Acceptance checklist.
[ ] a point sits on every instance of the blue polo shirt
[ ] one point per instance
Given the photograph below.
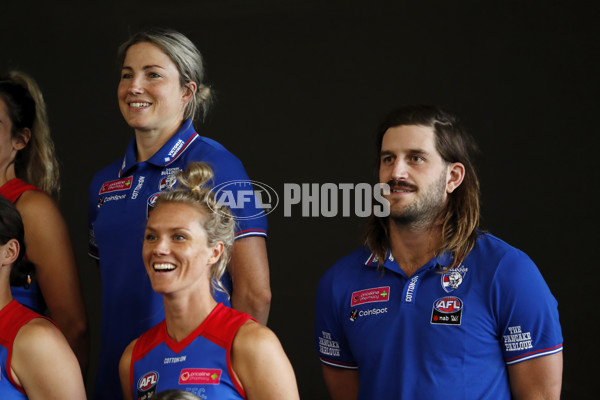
(436, 335)
(121, 197)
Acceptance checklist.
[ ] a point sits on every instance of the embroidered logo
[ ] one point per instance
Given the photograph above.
(116, 185)
(516, 339)
(151, 203)
(148, 381)
(168, 182)
(452, 279)
(447, 311)
(200, 376)
(174, 150)
(372, 295)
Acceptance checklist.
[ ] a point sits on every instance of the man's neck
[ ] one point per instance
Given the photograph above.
(413, 247)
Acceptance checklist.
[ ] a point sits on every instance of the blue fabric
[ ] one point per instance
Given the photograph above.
(120, 199)
(12, 318)
(434, 335)
(199, 364)
(7, 390)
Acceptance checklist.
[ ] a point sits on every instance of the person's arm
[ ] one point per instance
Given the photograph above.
(537, 379)
(249, 270)
(44, 364)
(125, 370)
(49, 249)
(342, 383)
(261, 365)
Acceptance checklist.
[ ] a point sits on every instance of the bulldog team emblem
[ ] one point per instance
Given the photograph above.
(452, 279)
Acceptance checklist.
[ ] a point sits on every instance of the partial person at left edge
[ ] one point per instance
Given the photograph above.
(29, 177)
(160, 93)
(36, 362)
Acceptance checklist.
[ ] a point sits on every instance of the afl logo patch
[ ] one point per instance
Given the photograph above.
(447, 311)
(148, 381)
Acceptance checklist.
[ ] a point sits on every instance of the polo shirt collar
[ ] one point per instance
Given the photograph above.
(391, 264)
(168, 153)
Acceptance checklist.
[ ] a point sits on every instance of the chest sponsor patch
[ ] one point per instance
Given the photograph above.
(116, 185)
(146, 385)
(372, 295)
(200, 376)
(447, 311)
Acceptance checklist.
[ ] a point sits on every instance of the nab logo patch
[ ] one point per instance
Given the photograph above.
(148, 381)
(447, 311)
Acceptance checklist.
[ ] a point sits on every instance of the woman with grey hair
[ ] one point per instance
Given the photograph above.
(201, 345)
(161, 91)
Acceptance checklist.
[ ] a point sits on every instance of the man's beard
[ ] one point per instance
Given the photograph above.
(426, 208)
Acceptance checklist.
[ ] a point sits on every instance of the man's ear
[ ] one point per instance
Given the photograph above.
(9, 252)
(456, 174)
(21, 139)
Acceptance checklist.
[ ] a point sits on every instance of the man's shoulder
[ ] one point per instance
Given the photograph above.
(360, 256)
(494, 246)
(495, 252)
(348, 264)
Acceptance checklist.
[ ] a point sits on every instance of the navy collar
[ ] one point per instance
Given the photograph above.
(391, 264)
(168, 153)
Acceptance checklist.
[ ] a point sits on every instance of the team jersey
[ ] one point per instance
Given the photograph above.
(200, 363)
(32, 296)
(12, 317)
(436, 335)
(120, 199)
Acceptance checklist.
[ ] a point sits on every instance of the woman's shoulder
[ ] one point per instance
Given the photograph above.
(39, 334)
(254, 338)
(36, 202)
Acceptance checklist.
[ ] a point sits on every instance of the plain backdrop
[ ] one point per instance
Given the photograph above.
(301, 87)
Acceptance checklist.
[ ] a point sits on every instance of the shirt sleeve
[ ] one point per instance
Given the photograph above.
(526, 310)
(330, 340)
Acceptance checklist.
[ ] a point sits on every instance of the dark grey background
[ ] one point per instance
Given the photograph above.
(301, 86)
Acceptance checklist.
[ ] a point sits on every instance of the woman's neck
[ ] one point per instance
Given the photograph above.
(7, 173)
(5, 294)
(183, 314)
(148, 142)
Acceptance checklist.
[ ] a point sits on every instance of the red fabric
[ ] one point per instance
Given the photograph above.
(14, 188)
(12, 317)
